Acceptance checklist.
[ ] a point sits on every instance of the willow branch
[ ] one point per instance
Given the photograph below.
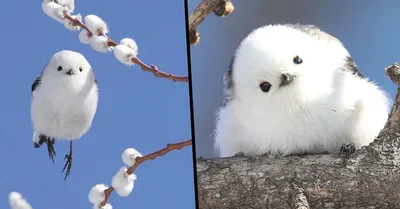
(148, 68)
(152, 156)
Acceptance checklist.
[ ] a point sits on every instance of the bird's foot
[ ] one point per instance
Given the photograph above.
(43, 139)
(348, 149)
(68, 165)
(36, 145)
(50, 148)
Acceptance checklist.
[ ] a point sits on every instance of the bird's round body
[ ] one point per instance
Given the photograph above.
(65, 97)
(294, 89)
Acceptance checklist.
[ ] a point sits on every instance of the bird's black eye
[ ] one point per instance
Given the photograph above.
(80, 69)
(297, 60)
(265, 86)
(59, 68)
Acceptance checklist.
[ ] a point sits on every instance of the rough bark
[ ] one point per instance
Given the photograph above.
(370, 178)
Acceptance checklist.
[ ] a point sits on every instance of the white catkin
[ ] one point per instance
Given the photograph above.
(99, 43)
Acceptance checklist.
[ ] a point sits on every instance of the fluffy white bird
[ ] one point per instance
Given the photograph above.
(294, 89)
(17, 201)
(64, 101)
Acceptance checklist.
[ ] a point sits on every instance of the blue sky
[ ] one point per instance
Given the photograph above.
(135, 108)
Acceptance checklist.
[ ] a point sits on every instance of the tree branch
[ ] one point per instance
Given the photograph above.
(369, 178)
(152, 68)
(221, 8)
(152, 156)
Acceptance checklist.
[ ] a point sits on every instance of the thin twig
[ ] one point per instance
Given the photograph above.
(220, 7)
(152, 156)
(148, 68)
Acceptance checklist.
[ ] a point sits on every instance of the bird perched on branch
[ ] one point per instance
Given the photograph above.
(64, 102)
(294, 89)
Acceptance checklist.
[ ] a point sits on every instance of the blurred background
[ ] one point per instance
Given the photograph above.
(136, 109)
(369, 30)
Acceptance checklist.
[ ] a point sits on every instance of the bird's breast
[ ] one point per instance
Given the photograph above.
(63, 112)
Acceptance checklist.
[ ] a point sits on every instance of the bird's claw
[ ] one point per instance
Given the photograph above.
(348, 149)
(50, 149)
(68, 165)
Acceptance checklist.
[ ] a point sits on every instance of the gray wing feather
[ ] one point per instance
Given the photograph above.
(228, 83)
(313, 30)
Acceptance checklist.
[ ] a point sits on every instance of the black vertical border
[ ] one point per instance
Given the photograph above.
(191, 102)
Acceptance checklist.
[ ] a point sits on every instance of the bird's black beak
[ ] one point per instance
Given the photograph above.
(70, 72)
(286, 79)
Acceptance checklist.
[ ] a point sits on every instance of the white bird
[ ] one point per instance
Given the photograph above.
(294, 89)
(64, 101)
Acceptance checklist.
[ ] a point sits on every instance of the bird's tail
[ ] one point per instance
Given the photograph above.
(36, 139)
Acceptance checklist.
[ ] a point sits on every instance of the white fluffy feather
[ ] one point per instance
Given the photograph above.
(129, 156)
(96, 25)
(35, 137)
(96, 194)
(16, 201)
(99, 43)
(122, 182)
(321, 109)
(63, 106)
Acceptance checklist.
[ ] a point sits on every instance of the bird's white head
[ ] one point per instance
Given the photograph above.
(68, 66)
(285, 65)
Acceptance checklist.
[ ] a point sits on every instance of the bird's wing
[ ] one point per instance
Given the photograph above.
(228, 83)
(37, 81)
(352, 67)
(313, 30)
